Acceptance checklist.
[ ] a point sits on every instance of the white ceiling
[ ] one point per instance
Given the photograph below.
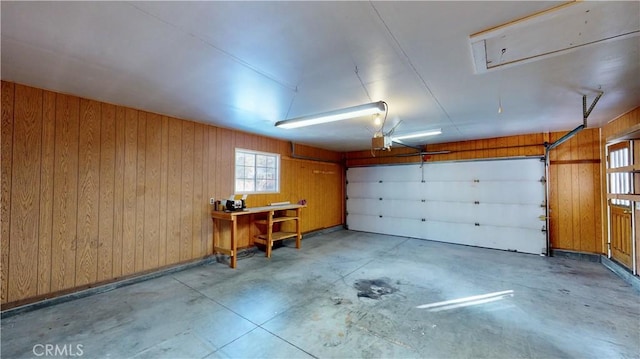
(247, 65)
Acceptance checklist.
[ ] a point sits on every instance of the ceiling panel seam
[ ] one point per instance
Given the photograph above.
(222, 51)
(415, 70)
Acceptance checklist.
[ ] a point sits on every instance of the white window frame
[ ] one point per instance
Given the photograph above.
(277, 169)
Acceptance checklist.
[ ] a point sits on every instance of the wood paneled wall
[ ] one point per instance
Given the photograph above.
(576, 220)
(523, 145)
(93, 192)
(621, 124)
(575, 217)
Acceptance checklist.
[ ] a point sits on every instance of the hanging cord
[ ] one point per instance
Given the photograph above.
(295, 92)
(381, 130)
(386, 112)
(362, 84)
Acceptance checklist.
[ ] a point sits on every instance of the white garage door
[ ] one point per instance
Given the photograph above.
(493, 204)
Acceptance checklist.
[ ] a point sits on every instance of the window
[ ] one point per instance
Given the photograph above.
(257, 172)
(620, 182)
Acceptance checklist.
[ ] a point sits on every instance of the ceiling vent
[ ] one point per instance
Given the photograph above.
(553, 32)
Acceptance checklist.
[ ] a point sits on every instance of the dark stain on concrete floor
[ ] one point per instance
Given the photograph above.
(374, 288)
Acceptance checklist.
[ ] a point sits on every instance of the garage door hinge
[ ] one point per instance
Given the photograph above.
(380, 198)
(380, 181)
(476, 202)
(380, 216)
(476, 180)
(423, 201)
(544, 229)
(543, 180)
(477, 224)
(424, 220)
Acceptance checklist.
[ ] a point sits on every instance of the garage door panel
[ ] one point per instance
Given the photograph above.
(363, 174)
(363, 189)
(366, 223)
(513, 239)
(401, 173)
(402, 208)
(401, 190)
(449, 191)
(364, 206)
(510, 215)
(510, 192)
(458, 212)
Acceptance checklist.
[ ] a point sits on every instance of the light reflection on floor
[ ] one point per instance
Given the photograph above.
(466, 301)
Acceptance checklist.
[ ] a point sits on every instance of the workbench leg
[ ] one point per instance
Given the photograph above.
(233, 261)
(214, 235)
(298, 233)
(269, 234)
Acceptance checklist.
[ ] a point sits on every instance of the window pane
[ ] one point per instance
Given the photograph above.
(239, 185)
(239, 158)
(270, 185)
(249, 173)
(248, 185)
(261, 173)
(271, 174)
(261, 161)
(249, 160)
(239, 172)
(271, 161)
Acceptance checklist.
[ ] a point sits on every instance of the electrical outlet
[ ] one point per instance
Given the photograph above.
(212, 200)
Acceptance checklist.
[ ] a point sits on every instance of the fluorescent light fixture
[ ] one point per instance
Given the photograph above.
(336, 115)
(419, 134)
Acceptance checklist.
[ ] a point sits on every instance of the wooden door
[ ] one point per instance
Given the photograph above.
(620, 182)
(620, 226)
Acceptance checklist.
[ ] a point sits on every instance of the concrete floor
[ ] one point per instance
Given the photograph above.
(304, 304)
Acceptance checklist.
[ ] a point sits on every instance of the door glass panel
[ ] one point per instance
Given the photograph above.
(620, 182)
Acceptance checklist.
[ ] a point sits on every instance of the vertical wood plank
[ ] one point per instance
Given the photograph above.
(553, 206)
(198, 196)
(204, 221)
(6, 154)
(587, 195)
(225, 162)
(213, 147)
(129, 191)
(164, 177)
(107, 192)
(598, 209)
(45, 226)
(565, 207)
(153, 169)
(25, 192)
(186, 230)
(118, 191)
(174, 191)
(584, 148)
(140, 191)
(88, 192)
(513, 142)
(65, 193)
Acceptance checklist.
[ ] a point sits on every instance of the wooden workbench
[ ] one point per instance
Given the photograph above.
(274, 214)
